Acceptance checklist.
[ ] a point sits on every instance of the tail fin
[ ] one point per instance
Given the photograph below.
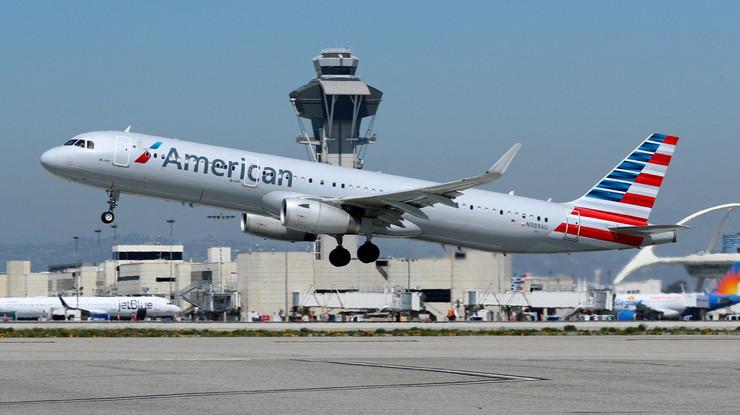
(628, 192)
(729, 283)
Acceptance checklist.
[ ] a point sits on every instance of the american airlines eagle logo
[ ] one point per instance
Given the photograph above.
(146, 155)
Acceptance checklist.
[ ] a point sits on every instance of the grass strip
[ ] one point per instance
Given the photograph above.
(568, 330)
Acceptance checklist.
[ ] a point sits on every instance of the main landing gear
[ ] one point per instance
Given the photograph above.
(108, 216)
(366, 253)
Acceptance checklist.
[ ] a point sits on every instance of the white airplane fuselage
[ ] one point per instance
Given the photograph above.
(34, 307)
(255, 183)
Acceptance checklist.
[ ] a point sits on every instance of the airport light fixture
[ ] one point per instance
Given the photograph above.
(171, 222)
(115, 233)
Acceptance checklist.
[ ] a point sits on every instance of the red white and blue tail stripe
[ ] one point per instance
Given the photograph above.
(627, 194)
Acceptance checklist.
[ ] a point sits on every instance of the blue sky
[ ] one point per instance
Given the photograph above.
(578, 83)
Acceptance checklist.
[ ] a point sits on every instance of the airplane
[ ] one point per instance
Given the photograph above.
(295, 200)
(670, 306)
(126, 307)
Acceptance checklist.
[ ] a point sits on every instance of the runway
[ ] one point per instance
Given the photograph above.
(412, 375)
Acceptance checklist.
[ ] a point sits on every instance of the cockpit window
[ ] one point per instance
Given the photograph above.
(80, 143)
(90, 145)
(70, 142)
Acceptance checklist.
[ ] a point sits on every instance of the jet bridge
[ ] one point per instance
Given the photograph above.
(573, 301)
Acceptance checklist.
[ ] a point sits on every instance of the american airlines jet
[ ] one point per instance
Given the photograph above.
(295, 200)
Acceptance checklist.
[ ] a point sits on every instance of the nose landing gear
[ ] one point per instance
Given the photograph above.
(108, 216)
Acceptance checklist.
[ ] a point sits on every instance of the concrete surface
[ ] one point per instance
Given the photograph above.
(413, 375)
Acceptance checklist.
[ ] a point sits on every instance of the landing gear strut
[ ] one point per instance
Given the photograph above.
(339, 256)
(108, 216)
(368, 252)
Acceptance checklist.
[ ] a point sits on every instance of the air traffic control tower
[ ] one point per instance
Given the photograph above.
(336, 103)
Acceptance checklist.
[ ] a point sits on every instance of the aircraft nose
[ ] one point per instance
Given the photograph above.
(52, 159)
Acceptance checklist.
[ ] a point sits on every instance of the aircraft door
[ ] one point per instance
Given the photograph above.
(573, 226)
(252, 171)
(122, 152)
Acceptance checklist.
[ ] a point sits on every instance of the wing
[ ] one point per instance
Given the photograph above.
(389, 207)
(646, 306)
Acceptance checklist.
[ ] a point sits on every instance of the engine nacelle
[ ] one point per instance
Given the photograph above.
(315, 217)
(272, 229)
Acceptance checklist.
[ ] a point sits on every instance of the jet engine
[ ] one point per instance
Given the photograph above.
(316, 217)
(272, 229)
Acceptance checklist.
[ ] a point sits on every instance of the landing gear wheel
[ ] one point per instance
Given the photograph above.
(113, 196)
(107, 217)
(368, 252)
(339, 256)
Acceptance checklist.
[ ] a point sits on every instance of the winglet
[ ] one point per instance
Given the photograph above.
(500, 167)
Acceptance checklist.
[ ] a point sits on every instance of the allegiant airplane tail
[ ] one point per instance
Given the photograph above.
(725, 294)
(627, 194)
(729, 283)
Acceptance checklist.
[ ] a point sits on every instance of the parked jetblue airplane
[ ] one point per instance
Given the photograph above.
(294, 200)
(128, 307)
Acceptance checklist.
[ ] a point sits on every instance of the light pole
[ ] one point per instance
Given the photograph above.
(115, 257)
(171, 222)
(285, 310)
(115, 233)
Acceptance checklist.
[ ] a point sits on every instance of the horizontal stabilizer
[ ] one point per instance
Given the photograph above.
(646, 230)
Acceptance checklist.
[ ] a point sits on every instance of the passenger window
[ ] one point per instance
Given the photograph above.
(538, 218)
(342, 185)
(91, 145)
(545, 219)
(310, 180)
(70, 142)
(322, 182)
(334, 184)
(471, 207)
(501, 212)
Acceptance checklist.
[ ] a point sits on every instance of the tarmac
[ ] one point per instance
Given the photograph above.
(361, 375)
